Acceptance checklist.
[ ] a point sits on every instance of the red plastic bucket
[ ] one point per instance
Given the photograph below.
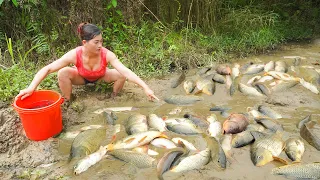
(40, 114)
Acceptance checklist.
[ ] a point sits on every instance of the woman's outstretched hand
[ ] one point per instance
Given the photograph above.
(24, 93)
(150, 94)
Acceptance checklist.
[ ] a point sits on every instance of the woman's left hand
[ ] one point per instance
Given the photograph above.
(150, 94)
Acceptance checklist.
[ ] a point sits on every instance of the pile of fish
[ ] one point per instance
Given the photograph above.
(259, 127)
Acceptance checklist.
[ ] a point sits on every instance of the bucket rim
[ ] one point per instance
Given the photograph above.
(20, 109)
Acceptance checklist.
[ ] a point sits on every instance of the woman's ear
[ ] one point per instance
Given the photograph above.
(84, 42)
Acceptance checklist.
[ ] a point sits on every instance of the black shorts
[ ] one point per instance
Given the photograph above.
(86, 81)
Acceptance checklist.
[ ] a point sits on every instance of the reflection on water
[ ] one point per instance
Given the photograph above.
(293, 104)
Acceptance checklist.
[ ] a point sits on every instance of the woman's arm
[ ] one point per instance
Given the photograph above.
(64, 61)
(131, 76)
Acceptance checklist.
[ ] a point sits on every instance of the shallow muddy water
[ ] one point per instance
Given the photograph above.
(293, 104)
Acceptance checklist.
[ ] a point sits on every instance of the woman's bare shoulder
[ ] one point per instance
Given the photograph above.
(70, 56)
(110, 56)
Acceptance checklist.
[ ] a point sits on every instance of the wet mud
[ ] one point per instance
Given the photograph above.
(22, 158)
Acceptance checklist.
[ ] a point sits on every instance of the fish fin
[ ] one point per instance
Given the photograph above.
(198, 92)
(280, 160)
(129, 140)
(142, 139)
(296, 162)
(164, 118)
(163, 135)
(109, 147)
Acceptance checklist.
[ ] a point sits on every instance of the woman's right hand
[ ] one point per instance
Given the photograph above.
(24, 93)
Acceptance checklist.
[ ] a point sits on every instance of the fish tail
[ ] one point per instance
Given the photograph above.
(163, 135)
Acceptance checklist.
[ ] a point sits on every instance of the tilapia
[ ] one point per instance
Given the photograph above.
(294, 149)
(298, 170)
(163, 143)
(186, 143)
(183, 128)
(269, 66)
(311, 133)
(281, 66)
(262, 88)
(156, 122)
(189, 86)
(178, 80)
(309, 86)
(303, 121)
(269, 123)
(195, 161)
(136, 123)
(249, 91)
(235, 123)
(254, 69)
(196, 120)
(255, 127)
(218, 155)
(140, 160)
(206, 86)
(264, 79)
(167, 159)
(182, 99)
(269, 112)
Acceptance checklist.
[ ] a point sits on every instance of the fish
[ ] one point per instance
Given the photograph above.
(249, 91)
(189, 86)
(183, 128)
(115, 109)
(235, 71)
(283, 86)
(73, 134)
(196, 120)
(206, 86)
(265, 78)
(309, 86)
(294, 149)
(140, 160)
(219, 78)
(255, 127)
(223, 70)
(217, 154)
(282, 76)
(110, 118)
(163, 143)
(215, 127)
(225, 142)
(195, 161)
(203, 70)
(304, 120)
(310, 132)
(244, 67)
(265, 150)
(296, 61)
(252, 80)
(220, 108)
(269, 123)
(242, 139)
(135, 140)
(298, 170)
(281, 66)
(269, 66)
(89, 160)
(310, 75)
(269, 112)
(254, 113)
(156, 122)
(293, 57)
(228, 81)
(145, 149)
(87, 142)
(182, 99)
(178, 80)
(254, 69)
(167, 159)
(235, 85)
(186, 143)
(235, 123)
(136, 123)
(262, 88)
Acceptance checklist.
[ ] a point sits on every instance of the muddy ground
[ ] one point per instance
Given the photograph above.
(26, 159)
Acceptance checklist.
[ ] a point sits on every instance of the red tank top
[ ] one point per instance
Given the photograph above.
(88, 74)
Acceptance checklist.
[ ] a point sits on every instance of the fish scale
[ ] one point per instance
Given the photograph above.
(274, 144)
(311, 170)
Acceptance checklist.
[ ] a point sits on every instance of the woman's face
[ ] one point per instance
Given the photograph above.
(94, 45)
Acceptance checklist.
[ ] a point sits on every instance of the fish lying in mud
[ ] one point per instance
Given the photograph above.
(205, 86)
(309, 86)
(219, 78)
(181, 126)
(203, 70)
(87, 142)
(145, 149)
(298, 170)
(311, 133)
(294, 149)
(156, 122)
(269, 66)
(242, 139)
(178, 80)
(215, 127)
(89, 161)
(186, 143)
(255, 127)
(110, 117)
(189, 86)
(223, 70)
(262, 88)
(191, 162)
(115, 109)
(281, 76)
(235, 123)
(217, 153)
(254, 69)
(249, 91)
(235, 71)
(136, 123)
(73, 134)
(283, 86)
(266, 149)
(253, 79)
(140, 160)
(167, 159)
(269, 112)
(196, 120)
(182, 100)
(269, 123)
(303, 121)
(234, 85)
(281, 66)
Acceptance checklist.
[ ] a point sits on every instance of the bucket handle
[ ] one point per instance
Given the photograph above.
(61, 100)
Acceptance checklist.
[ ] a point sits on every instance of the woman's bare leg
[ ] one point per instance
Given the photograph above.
(112, 75)
(67, 77)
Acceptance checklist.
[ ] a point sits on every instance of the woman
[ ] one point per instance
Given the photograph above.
(90, 60)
